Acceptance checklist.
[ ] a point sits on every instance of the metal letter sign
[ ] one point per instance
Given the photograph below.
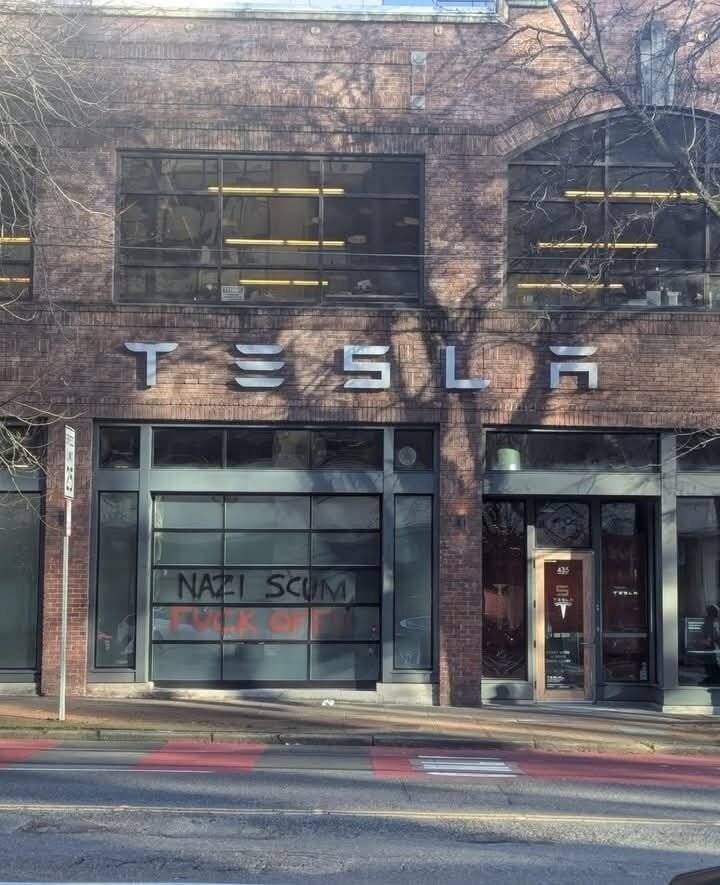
(350, 364)
(69, 462)
(151, 351)
(452, 382)
(261, 365)
(565, 368)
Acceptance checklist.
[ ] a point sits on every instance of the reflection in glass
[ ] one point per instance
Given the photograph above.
(120, 447)
(187, 447)
(504, 629)
(188, 512)
(413, 581)
(348, 449)
(625, 651)
(414, 450)
(571, 451)
(267, 512)
(562, 524)
(116, 580)
(698, 522)
(265, 447)
(348, 512)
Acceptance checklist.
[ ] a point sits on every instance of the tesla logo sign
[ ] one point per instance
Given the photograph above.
(261, 366)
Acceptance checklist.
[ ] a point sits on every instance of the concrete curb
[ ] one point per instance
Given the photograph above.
(360, 739)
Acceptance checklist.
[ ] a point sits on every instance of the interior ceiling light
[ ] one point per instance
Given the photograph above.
(636, 195)
(14, 279)
(15, 240)
(251, 282)
(571, 285)
(241, 241)
(572, 245)
(293, 191)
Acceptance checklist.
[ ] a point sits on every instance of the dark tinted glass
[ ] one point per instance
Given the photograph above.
(504, 631)
(413, 581)
(562, 524)
(363, 176)
(266, 548)
(346, 512)
(265, 662)
(188, 548)
(188, 512)
(341, 449)
(167, 175)
(625, 647)
(185, 447)
(354, 662)
(698, 521)
(345, 548)
(177, 285)
(189, 225)
(20, 523)
(278, 172)
(571, 451)
(413, 450)
(698, 451)
(120, 447)
(267, 512)
(186, 663)
(116, 580)
(289, 449)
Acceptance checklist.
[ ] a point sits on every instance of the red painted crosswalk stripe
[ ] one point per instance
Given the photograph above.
(196, 755)
(15, 751)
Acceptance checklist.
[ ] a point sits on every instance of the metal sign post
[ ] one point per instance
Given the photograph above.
(69, 483)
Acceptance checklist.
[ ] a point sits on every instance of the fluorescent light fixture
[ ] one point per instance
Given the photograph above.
(242, 241)
(14, 279)
(250, 282)
(15, 240)
(572, 245)
(636, 195)
(289, 191)
(571, 285)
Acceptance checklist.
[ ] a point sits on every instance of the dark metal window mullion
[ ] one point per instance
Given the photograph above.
(219, 260)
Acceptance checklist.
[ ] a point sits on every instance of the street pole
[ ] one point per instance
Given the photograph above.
(69, 495)
(64, 611)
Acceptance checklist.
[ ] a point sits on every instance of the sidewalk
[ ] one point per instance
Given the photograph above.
(591, 729)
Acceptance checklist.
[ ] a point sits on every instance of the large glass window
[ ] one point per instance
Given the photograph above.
(599, 216)
(19, 569)
(266, 588)
(542, 450)
(504, 629)
(625, 648)
(413, 581)
(698, 521)
(116, 580)
(269, 230)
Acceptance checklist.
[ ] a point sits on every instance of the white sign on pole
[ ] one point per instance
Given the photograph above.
(69, 462)
(69, 495)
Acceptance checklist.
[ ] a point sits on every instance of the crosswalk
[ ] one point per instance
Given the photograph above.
(463, 766)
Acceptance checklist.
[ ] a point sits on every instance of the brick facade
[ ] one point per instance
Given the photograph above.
(253, 84)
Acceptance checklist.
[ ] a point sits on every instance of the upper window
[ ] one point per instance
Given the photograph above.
(269, 230)
(15, 240)
(607, 215)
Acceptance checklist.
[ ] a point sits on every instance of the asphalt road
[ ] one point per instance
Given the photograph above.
(233, 813)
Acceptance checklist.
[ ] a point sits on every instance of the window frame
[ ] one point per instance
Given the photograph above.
(379, 301)
(606, 161)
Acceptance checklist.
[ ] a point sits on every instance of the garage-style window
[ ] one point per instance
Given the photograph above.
(259, 229)
(611, 215)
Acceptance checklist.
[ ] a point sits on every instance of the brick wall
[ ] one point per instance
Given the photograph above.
(248, 84)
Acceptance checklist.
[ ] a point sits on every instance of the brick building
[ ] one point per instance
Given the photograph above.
(383, 347)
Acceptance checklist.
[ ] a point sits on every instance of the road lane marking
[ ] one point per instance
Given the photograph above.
(40, 768)
(463, 766)
(390, 813)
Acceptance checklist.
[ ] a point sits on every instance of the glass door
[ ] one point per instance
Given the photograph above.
(564, 626)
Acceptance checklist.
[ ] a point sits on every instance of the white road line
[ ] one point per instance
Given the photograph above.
(43, 768)
(467, 774)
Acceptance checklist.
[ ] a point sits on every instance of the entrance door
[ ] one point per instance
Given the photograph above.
(564, 626)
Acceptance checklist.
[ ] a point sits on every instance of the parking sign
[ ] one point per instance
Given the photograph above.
(69, 462)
